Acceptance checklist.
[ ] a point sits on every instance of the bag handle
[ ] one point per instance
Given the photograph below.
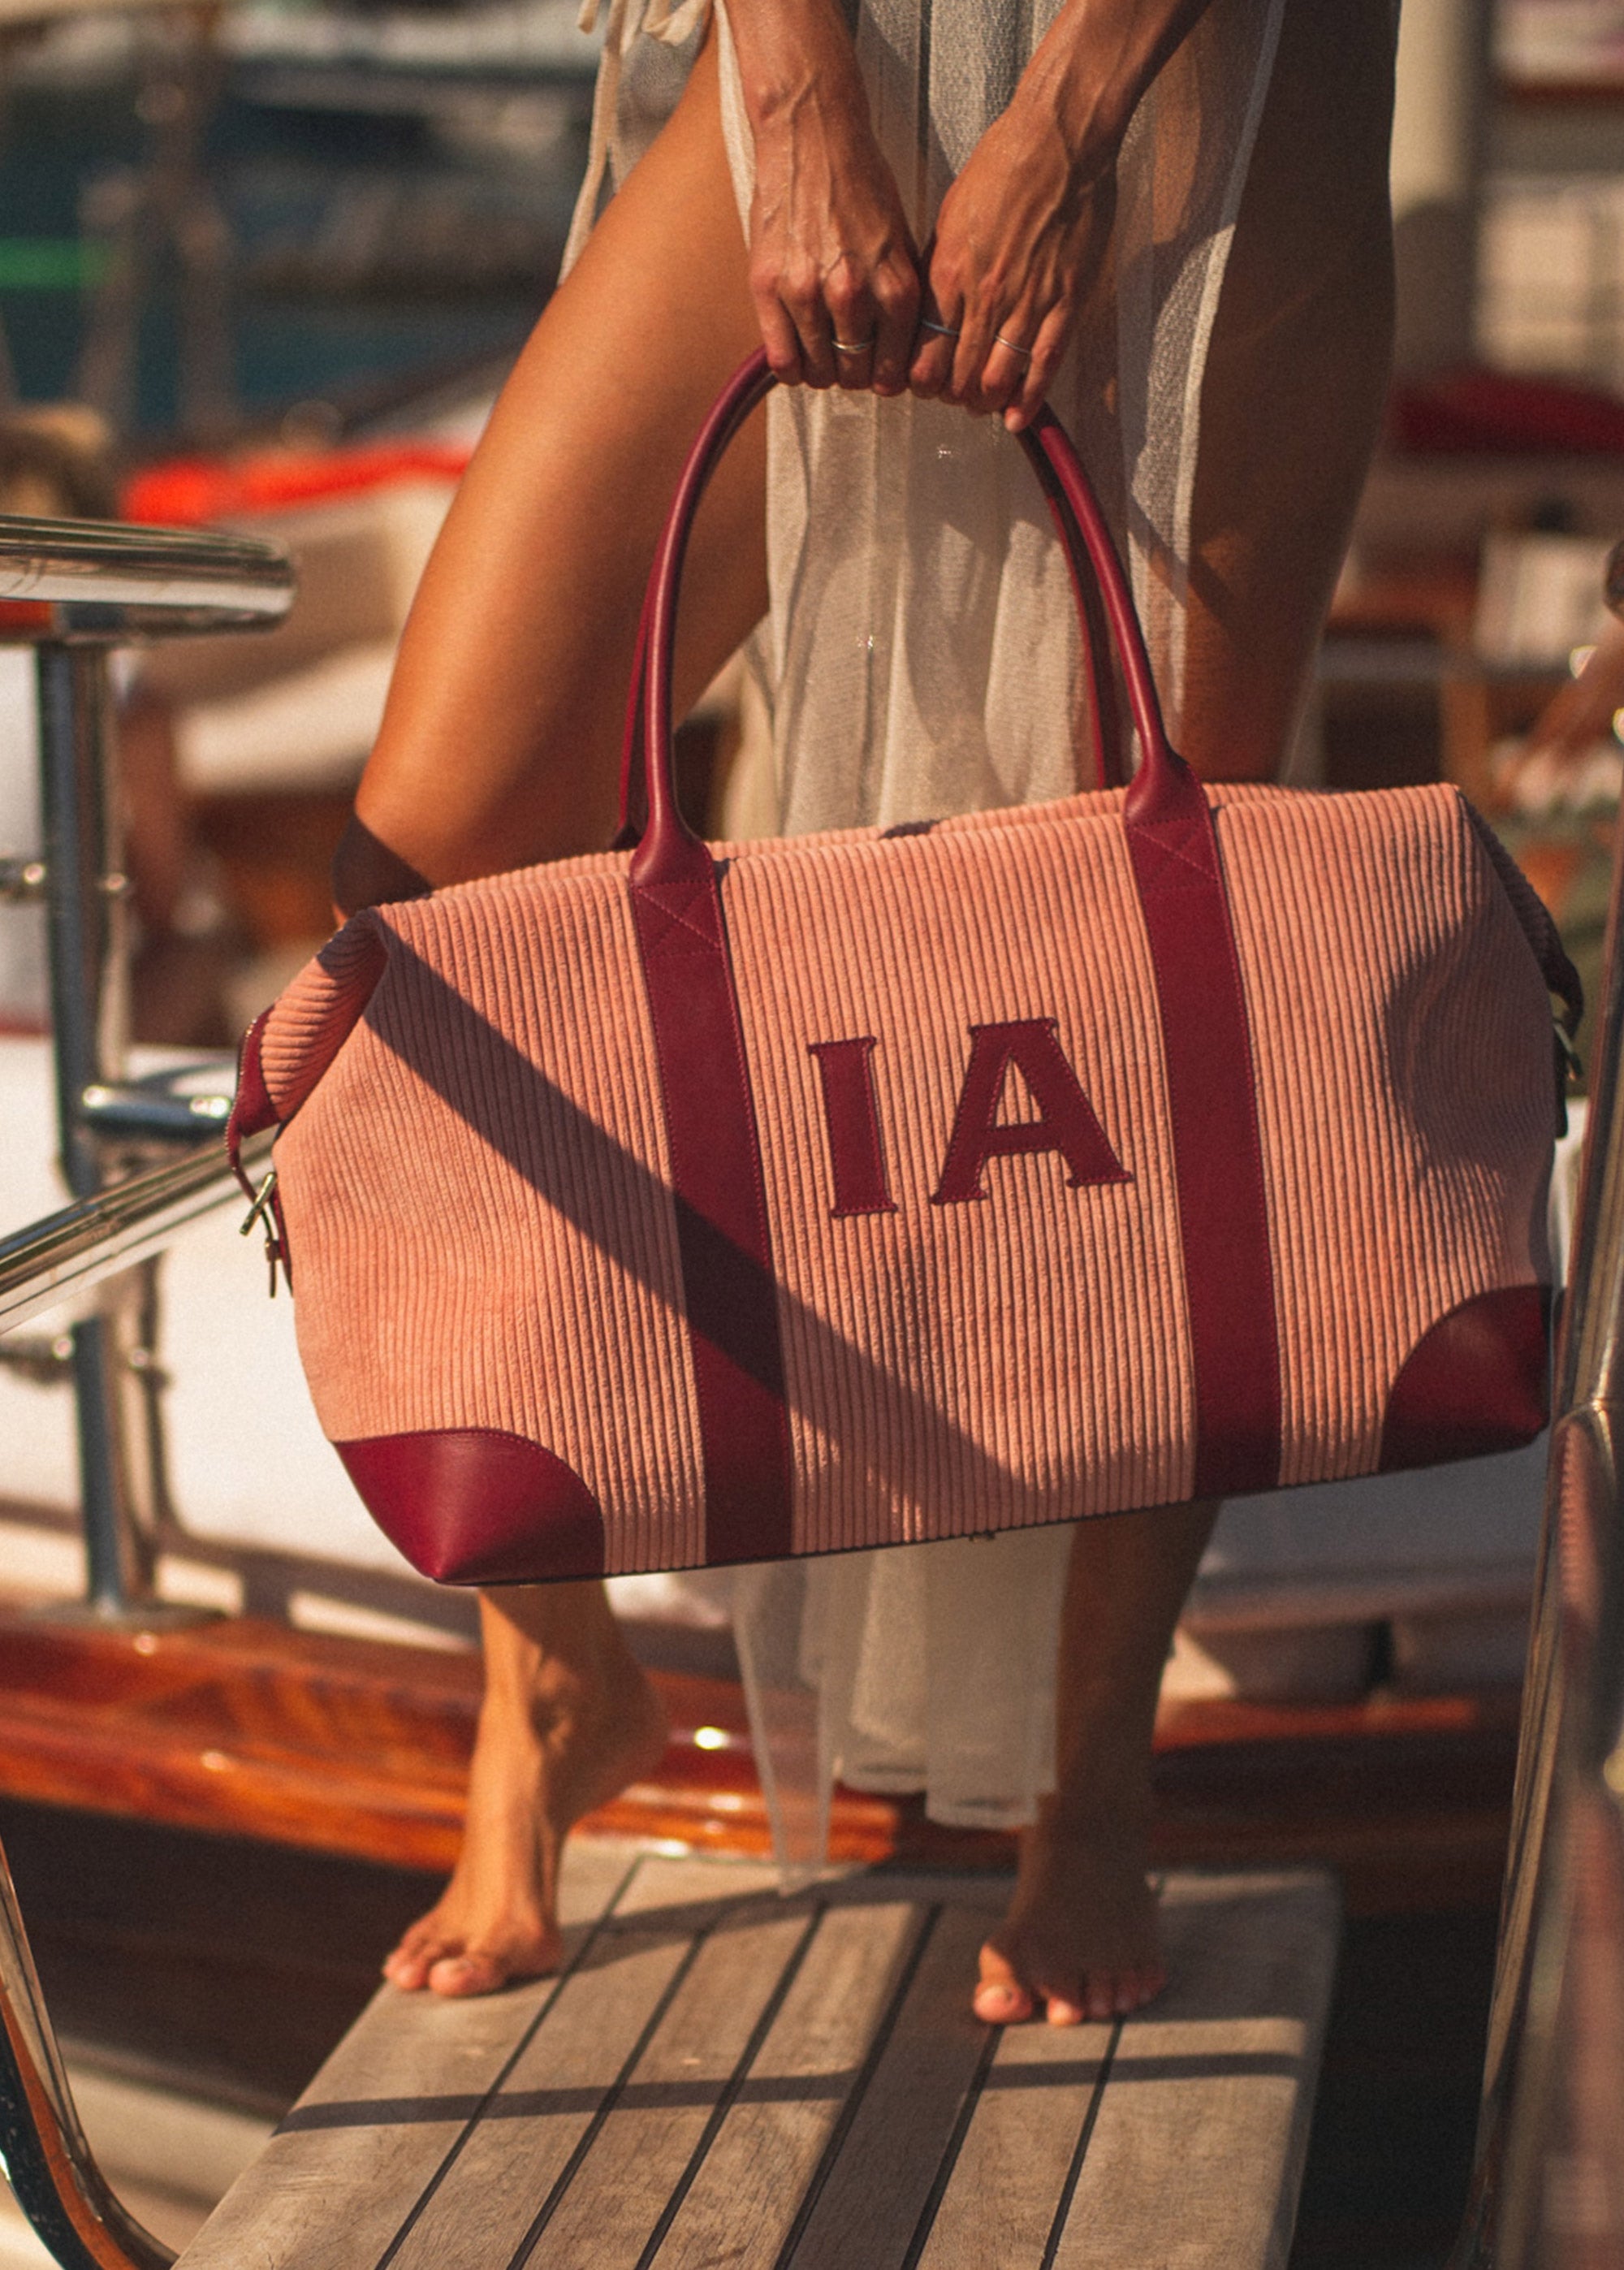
(1163, 783)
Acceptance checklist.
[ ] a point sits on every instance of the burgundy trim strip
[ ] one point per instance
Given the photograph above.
(729, 1291)
(473, 1505)
(1066, 1121)
(1216, 1149)
(851, 1117)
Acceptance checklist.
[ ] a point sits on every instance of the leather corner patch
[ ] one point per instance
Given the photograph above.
(1477, 1381)
(473, 1505)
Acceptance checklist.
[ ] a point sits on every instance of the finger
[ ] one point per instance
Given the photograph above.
(1004, 372)
(800, 294)
(779, 337)
(936, 339)
(854, 331)
(817, 361)
(971, 349)
(896, 292)
(1053, 333)
(935, 342)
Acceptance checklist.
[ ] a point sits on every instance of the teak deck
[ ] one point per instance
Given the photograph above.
(725, 2076)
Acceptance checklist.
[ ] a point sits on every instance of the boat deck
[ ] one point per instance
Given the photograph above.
(724, 2075)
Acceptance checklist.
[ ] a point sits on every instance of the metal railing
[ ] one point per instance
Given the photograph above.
(71, 590)
(1549, 2184)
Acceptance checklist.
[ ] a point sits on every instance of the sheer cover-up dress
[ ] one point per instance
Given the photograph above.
(921, 659)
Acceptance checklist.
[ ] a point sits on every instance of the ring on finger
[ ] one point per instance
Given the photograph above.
(1024, 353)
(942, 330)
(855, 346)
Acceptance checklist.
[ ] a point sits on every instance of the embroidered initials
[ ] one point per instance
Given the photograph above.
(1066, 1122)
(1065, 1119)
(851, 1114)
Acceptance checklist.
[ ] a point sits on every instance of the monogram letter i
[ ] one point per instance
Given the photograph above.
(851, 1115)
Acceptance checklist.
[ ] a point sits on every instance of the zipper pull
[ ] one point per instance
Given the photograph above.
(263, 1210)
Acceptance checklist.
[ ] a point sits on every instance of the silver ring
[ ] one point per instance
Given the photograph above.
(1024, 353)
(857, 347)
(942, 330)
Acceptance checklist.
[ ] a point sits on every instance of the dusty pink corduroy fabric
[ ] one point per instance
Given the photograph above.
(478, 1194)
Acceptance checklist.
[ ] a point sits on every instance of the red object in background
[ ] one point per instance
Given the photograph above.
(185, 492)
(1496, 413)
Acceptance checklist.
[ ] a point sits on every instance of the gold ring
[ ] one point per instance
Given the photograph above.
(855, 346)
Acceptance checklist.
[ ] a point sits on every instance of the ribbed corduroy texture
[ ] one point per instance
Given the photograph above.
(477, 1185)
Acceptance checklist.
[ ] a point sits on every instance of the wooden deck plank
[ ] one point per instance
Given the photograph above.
(747, 2193)
(1018, 2149)
(647, 2142)
(1231, 2051)
(903, 2128)
(522, 2149)
(386, 2108)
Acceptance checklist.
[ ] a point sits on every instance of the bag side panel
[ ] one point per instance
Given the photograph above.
(315, 1012)
(1402, 1037)
(481, 1189)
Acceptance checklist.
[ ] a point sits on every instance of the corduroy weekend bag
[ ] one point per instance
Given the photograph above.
(709, 1202)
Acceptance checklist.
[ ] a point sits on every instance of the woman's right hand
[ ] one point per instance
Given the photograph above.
(834, 270)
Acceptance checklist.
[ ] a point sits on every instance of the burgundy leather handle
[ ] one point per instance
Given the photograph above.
(1163, 781)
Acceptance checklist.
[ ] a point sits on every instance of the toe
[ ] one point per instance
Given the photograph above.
(410, 1964)
(1000, 1999)
(997, 2004)
(1060, 2010)
(454, 1976)
(1100, 1998)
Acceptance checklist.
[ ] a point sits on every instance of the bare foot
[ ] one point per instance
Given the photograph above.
(555, 1739)
(1081, 1935)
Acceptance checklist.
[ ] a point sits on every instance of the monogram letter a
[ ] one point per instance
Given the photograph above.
(1066, 1122)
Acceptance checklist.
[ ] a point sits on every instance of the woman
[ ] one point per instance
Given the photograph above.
(1171, 219)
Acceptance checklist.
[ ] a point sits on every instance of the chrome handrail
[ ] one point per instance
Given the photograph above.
(68, 1252)
(73, 588)
(106, 582)
(50, 2164)
(1547, 2190)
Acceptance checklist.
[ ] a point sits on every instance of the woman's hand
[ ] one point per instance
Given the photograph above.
(834, 271)
(1016, 245)
(1022, 231)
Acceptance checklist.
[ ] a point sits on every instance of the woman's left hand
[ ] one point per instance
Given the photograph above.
(1022, 232)
(1017, 243)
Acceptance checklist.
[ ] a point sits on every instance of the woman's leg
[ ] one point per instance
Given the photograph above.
(501, 746)
(567, 1719)
(1291, 403)
(501, 738)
